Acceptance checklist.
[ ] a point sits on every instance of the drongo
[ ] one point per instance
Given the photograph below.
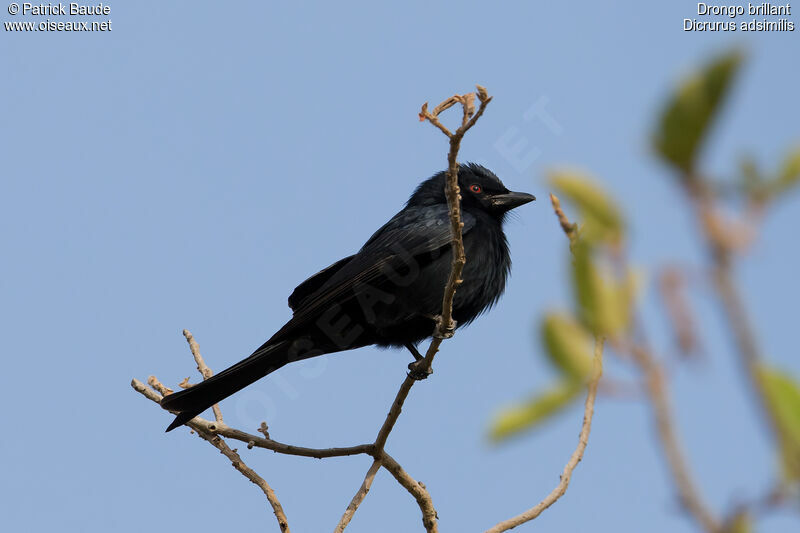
(389, 293)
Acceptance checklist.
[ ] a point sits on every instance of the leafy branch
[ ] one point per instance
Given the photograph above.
(606, 289)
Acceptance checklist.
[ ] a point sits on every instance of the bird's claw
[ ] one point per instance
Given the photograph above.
(445, 331)
(418, 371)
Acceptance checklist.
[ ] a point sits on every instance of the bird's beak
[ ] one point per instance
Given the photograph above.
(510, 200)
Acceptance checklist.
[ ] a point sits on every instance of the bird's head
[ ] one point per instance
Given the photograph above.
(480, 189)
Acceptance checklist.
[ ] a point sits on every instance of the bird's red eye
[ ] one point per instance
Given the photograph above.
(475, 188)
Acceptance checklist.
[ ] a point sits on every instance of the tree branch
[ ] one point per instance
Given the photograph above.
(416, 489)
(571, 231)
(577, 455)
(207, 431)
(742, 331)
(202, 368)
(724, 238)
(249, 473)
(722, 244)
(656, 388)
(359, 496)
(445, 327)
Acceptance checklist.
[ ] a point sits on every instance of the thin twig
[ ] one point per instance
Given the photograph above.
(288, 449)
(577, 455)
(145, 391)
(416, 489)
(570, 229)
(251, 440)
(656, 388)
(359, 496)
(445, 326)
(724, 238)
(202, 368)
(157, 385)
(433, 119)
(207, 430)
(249, 473)
(671, 285)
(220, 444)
(742, 330)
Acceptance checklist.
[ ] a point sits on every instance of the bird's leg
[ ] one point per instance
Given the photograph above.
(414, 351)
(414, 367)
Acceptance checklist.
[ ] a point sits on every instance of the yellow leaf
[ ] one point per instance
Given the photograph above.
(782, 397)
(790, 172)
(568, 345)
(600, 216)
(514, 420)
(604, 304)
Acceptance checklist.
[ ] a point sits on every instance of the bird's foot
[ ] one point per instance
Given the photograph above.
(444, 331)
(418, 371)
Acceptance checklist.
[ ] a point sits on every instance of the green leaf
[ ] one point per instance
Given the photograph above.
(514, 420)
(586, 283)
(782, 397)
(568, 345)
(739, 523)
(689, 113)
(600, 215)
(603, 304)
(789, 174)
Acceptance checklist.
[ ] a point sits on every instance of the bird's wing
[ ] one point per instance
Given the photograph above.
(312, 284)
(411, 234)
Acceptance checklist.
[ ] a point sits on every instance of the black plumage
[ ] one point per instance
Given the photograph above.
(390, 291)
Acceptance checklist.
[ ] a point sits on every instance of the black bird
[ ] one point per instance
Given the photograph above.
(389, 292)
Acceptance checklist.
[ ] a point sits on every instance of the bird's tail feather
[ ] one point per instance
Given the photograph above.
(194, 400)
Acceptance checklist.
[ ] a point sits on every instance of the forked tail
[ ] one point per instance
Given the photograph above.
(191, 402)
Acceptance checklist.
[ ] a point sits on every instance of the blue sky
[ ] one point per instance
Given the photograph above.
(190, 167)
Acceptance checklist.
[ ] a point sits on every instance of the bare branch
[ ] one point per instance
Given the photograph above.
(157, 385)
(359, 496)
(394, 413)
(249, 473)
(577, 455)
(433, 119)
(687, 492)
(671, 285)
(145, 391)
(445, 326)
(417, 490)
(724, 238)
(202, 428)
(286, 449)
(742, 330)
(220, 428)
(570, 229)
(202, 368)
